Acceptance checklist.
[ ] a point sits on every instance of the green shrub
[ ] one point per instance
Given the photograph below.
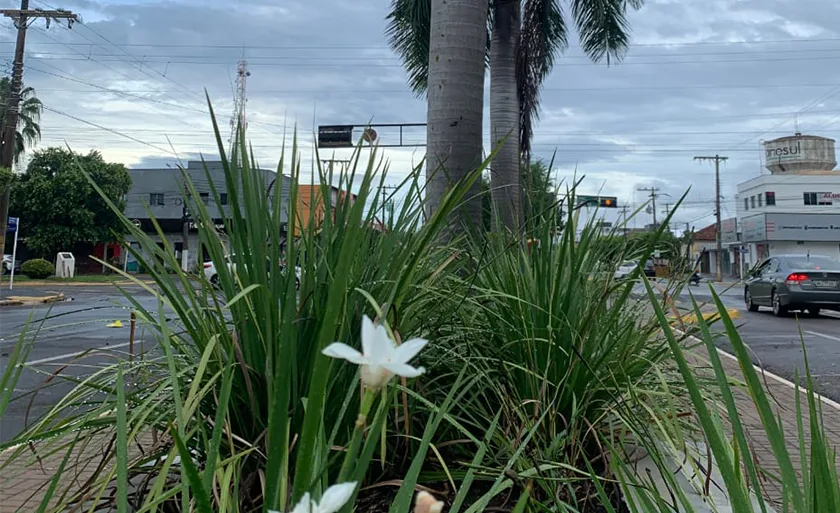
(37, 269)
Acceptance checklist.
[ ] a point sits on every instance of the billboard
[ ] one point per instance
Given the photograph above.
(754, 228)
(793, 227)
(729, 230)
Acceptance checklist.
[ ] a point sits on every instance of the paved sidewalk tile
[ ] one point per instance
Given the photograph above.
(783, 397)
(25, 479)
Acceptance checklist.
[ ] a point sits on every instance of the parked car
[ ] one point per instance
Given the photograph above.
(794, 282)
(213, 276)
(650, 269)
(625, 269)
(8, 265)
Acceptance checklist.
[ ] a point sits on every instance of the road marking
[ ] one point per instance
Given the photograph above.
(73, 355)
(823, 335)
(784, 336)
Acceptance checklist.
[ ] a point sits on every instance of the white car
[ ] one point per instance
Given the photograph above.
(213, 276)
(625, 270)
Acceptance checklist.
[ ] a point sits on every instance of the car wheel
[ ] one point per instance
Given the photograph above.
(752, 307)
(214, 279)
(778, 309)
(813, 312)
(297, 284)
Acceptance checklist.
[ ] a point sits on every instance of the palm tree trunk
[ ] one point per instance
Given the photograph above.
(454, 142)
(504, 115)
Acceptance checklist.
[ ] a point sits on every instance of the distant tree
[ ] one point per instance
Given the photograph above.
(57, 205)
(29, 129)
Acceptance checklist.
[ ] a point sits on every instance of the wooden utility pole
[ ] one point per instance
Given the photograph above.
(22, 18)
(718, 240)
(653, 191)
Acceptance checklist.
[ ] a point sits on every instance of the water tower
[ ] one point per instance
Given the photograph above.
(799, 154)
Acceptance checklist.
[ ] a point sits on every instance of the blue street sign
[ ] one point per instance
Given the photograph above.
(12, 225)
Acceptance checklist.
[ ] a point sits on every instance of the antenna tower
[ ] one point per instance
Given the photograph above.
(240, 99)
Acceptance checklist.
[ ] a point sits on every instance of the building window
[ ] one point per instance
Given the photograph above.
(752, 201)
(759, 200)
(818, 198)
(205, 197)
(223, 198)
(771, 198)
(746, 203)
(156, 199)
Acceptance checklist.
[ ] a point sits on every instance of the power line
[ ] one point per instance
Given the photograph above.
(343, 63)
(356, 92)
(240, 46)
(116, 132)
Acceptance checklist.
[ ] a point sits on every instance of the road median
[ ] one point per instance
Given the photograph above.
(51, 297)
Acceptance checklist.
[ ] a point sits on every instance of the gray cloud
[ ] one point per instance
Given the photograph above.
(680, 92)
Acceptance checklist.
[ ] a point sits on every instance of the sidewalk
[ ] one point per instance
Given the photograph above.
(783, 394)
(24, 484)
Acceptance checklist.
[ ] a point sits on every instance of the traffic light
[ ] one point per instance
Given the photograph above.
(608, 202)
(598, 201)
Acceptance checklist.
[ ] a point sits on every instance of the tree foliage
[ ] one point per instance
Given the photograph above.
(59, 207)
(29, 129)
(602, 27)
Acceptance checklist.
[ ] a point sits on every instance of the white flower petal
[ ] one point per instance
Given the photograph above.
(335, 497)
(404, 370)
(339, 350)
(368, 335)
(382, 350)
(305, 504)
(409, 349)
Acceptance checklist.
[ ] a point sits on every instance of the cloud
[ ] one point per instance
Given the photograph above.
(702, 77)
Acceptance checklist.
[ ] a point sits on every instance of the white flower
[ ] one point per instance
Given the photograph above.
(333, 500)
(426, 503)
(381, 358)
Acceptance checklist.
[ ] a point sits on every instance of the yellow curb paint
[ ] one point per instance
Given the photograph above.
(733, 313)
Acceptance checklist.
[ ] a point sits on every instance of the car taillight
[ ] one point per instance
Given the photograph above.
(797, 278)
(208, 265)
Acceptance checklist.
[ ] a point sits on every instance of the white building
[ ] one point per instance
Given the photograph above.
(795, 208)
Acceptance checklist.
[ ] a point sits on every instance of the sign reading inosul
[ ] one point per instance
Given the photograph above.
(790, 150)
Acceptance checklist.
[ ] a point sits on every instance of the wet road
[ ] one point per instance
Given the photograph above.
(63, 331)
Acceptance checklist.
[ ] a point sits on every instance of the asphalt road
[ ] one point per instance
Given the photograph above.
(64, 331)
(777, 344)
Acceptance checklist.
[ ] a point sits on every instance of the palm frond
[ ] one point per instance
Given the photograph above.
(409, 26)
(408, 30)
(603, 27)
(543, 35)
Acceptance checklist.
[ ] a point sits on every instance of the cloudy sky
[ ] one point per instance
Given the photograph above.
(702, 77)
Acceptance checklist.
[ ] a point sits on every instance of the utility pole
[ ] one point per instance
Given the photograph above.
(623, 216)
(388, 203)
(718, 240)
(668, 213)
(185, 227)
(652, 191)
(22, 18)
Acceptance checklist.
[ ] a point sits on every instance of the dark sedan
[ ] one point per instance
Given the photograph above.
(794, 282)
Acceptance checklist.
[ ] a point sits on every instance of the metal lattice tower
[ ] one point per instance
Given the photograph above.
(240, 99)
